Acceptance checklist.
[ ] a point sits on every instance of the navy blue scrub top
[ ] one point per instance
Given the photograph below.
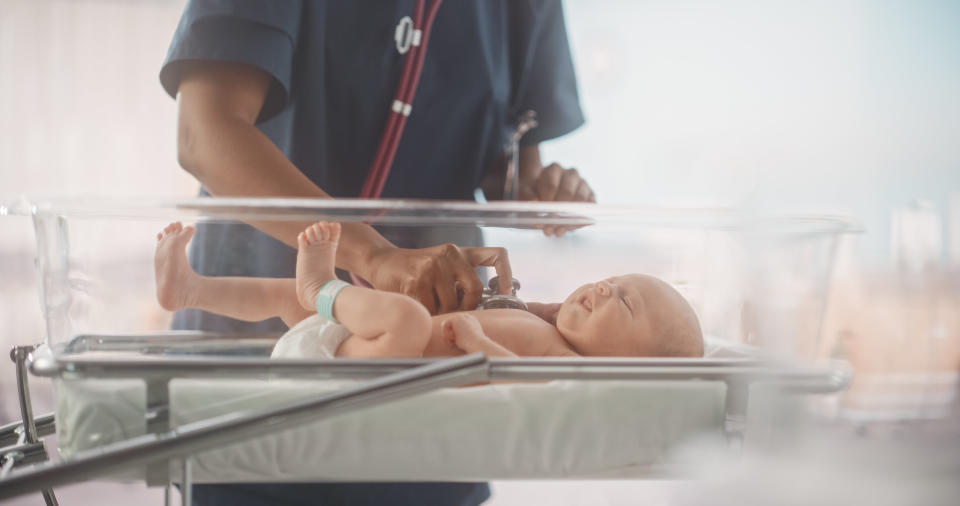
(335, 67)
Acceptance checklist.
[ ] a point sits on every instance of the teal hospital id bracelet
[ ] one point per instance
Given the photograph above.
(327, 295)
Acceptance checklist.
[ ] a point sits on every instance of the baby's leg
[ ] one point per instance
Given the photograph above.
(383, 324)
(248, 299)
(465, 332)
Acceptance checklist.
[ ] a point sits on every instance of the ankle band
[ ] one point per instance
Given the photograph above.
(327, 295)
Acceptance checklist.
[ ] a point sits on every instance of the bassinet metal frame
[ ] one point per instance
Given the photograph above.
(166, 451)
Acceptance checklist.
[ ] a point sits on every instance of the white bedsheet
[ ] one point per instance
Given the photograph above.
(562, 429)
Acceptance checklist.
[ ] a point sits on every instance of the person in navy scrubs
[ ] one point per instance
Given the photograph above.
(288, 98)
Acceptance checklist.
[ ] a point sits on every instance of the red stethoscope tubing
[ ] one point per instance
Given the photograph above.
(406, 90)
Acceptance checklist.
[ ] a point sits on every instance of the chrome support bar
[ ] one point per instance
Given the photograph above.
(196, 437)
(29, 448)
(19, 354)
(10, 459)
(12, 432)
(49, 498)
(24, 453)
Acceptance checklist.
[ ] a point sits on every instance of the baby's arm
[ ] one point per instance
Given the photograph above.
(519, 332)
(382, 324)
(464, 331)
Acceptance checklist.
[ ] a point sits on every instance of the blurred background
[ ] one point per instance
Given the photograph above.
(846, 107)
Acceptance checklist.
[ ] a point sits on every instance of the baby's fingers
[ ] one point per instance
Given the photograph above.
(446, 329)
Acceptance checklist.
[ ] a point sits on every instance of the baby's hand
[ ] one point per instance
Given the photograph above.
(463, 331)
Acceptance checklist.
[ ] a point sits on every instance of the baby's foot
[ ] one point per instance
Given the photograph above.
(317, 251)
(176, 280)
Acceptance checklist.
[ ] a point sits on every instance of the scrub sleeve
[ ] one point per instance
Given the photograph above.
(262, 34)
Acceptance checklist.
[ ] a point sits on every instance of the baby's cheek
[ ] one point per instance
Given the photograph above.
(566, 322)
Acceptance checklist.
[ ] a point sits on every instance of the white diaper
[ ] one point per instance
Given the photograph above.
(314, 337)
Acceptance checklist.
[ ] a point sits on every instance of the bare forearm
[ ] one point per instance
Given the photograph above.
(232, 158)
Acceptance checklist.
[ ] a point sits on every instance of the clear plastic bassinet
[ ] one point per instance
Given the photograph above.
(753, 279)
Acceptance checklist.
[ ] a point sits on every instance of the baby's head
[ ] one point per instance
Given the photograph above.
(630, 316)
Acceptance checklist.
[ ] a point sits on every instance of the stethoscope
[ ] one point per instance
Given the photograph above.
(491, 299)
(412, 36)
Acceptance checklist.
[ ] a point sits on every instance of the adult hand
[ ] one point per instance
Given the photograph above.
(555, 184)
(442, 278)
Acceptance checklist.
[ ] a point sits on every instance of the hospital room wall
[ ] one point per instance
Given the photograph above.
(81, 113)
(830, 106)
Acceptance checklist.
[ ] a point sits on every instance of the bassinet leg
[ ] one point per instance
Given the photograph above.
(30, 436)
(50, 498)
(158, 422)
(735, 422)
(186, 483)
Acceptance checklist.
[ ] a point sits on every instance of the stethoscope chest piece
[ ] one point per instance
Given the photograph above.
(491, 299)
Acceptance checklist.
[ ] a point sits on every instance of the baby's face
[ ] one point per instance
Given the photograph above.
(612, 317)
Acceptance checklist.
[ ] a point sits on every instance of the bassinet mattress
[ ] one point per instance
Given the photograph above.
(561, 429)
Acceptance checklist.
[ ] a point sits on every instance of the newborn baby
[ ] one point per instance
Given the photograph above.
(628, 316)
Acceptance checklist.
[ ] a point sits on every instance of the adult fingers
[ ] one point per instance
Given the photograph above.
(421, 289)
(445, 278)
(556, 230)
(569, 182)
(583, 193)
(496, 257)
(472, 289)
(548, 182)
(416, 281)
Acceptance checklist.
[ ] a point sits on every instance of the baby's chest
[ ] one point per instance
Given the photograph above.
(523, 334)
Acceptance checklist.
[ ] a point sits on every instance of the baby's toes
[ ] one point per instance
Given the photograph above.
(334, 232)
(311, 232)
(324, 230)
